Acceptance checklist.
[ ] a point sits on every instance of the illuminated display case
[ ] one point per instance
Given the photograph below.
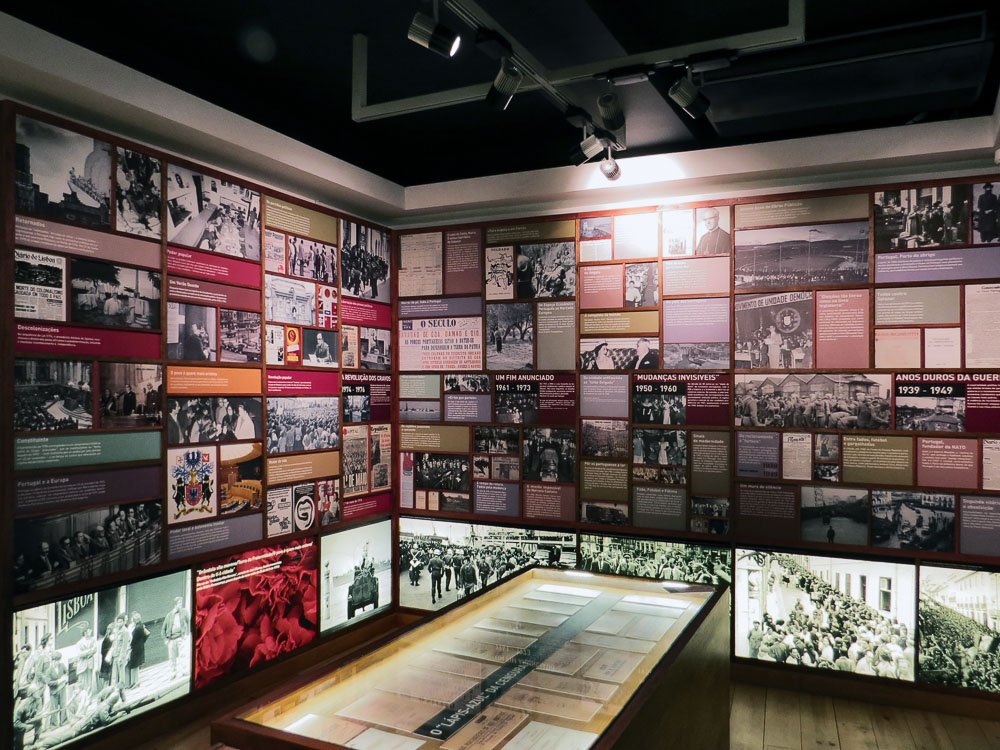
(554, 660)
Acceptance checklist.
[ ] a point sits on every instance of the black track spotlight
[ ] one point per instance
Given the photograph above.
(689, 98)
(505, 85)
(426, 31)
(610, 107)
(610, 168)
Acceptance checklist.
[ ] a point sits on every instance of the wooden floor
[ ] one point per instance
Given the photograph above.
(772, 719)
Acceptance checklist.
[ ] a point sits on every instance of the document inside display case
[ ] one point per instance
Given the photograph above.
(546, 661)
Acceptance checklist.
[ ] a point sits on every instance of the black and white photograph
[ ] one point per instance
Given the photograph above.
(709, 525)
(354, 471)
(620, 354)
(604, 438)
(357, 403)
(707, 356)
(441, 471)
(115, 296)
(53, 394)
(328, 501)
(835, 613)
(905, 519)
(547, 270)
(826, 447)
(289, 300)
(834, 515)
(642, 285)
(504, 440)
(712, 227)
(191, 332)
(608, 514)
(219, 419)
(130, 395)
(595, 228)
(931, 413)
(505, 468)
(303, 423)
(959, 628)
(364, 258)
(826, 472)
(788, 257)
(240, 335)
(376, 348)
(922, 217)
(62, 174)
(651, 407)
(510, 336)
(774, 331)
(455, 502)
(356, 574)
(677, 229)
(137, 194)
(419, 411)
(88, 544)
(986, 214)
(39, 285)
(854, 401)
(466, 383)
(499, 272)
(320, 348)
(549, 455)
(649, 558)
(380, 456)
(481, 466)
(663, 448)
(513, 407)
(309, 259)
(712, 507)
(655, 474)
(210, 213)
(442, 562)
(100, 657)
(241, 478)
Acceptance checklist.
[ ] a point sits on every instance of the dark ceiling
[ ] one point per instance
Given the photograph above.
(864, 64)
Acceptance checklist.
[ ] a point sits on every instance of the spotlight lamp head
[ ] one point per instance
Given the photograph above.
(587, 149)
(505, 85)
(426, 31)
(689, 98)
(610, 107)
(610, 168)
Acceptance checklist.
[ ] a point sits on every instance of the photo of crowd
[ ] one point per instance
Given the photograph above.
(788, 257)
(364, 258)
(303, 424)
(466, 383)
(857, 401)
(549, 455)
(774, 332)
(605, 438)
(53, 395)
(931, 413)
(130, 395)
(547, 270)
(309, 259)
(114, 296)
(651, 407)
(904, 519)
(849, 615)
(221, 419)
(137, 194)
(71, 547)
(922, 217)
(439, 471)
(497, 440)
(649, 558)
(513, 407)
(354, 472)
(210, 213)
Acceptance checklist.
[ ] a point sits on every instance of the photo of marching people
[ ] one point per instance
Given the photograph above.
(510, 336)
(922, 217)
(219, 419)
(137, 194)
(95, 543)
(513, 407)
(439, 471)
(958, 628)
(604, 438)
(376, 348)
(191, 333)
(858, 401)
(52, 394)
(354, 471)
(442, 562)
(931, 413)
(303, 424)
(62, 174)
(240, 335)
(818, 255)
(497, 440)
(609, 514)
(774, 331)
(309, 259)
(130, 395)
(320, 348)
(649, 558)
(986, 214)
(642, 285)
(549, 455)
(903, 519)
(835, 515)
(364, 258)
(466, 383)
(853, 616)
(84, 664)
(651, 407)
(114, 296)
(213, 214)
(547, 270)
(659, 456)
